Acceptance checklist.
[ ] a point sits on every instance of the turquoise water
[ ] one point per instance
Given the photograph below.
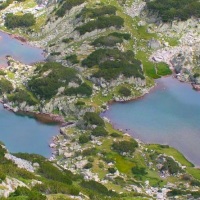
(25, 134)
(18, 50)
(169, 114)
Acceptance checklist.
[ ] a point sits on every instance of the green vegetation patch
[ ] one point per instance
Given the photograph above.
(163, 69)
(8, 168)
(175, 9)
(51, 76)
(139, 171)
(21, 95)
(115, 135)
(178, 192)
(89, 152)
(113, 62)
(5, 4)
(55, 53)
(66, 5)
(99, 131)
(84, 139)
(96, 12)
(2, 73)
(67, 40)
(93, 118)
(170, 151)
(122, 163)
(25, 192)
(14, 21)
(5, 86)
(54, 179)
(125, 146)
(170, 165)
(101, 23)
(83, 90)
(111, 40)
(97, 187)
(51, 172)
(124, 91)
(72, 58)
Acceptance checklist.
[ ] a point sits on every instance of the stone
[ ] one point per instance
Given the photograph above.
(154, 44)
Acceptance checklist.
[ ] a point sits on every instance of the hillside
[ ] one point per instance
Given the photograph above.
(97, 52)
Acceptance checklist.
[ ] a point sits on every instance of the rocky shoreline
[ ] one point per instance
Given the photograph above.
(42, 117)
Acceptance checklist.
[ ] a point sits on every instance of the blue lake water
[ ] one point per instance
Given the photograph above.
(25, 134)
(22, 133)
(169, 114)
(18, 50)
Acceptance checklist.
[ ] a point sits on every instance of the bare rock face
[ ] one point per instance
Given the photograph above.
(47, 2)
(154, 44)
(21, 163)
(121, 79)
(179, 61)
(184, 57)
(136, 8)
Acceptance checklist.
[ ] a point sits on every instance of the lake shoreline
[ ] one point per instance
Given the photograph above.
(137, 136)
(46, 118)
(49, 118)
(14, 39)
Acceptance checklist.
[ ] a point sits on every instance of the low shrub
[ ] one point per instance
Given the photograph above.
(83, 90)
(112, 170)
(72, 58)
(96, 12)
(97, 187)
(88, 165)
(67, 40)
(93, 118)
(125, 146)
(170, 10)
(112, 63)
(51, 172)
(115, 135)
(139, 171)
(80, 103)
(46, 86)
(5, 86)
(20, 96)
(99, 131)
(124, 91)
(101, 23)
(55, 53)
(66, 5)
(89, 152)
(111, 40)
(30, 194)
(171, 166)
(2, 73)
(13, 21)
(84, 139)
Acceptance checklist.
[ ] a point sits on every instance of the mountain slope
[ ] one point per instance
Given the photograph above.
(99, 51)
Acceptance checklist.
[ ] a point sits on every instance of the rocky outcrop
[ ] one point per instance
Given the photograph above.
(9, 185)
(21, 163)
(183, 58)
(136, 8)
(138, 82)
(154, 44)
